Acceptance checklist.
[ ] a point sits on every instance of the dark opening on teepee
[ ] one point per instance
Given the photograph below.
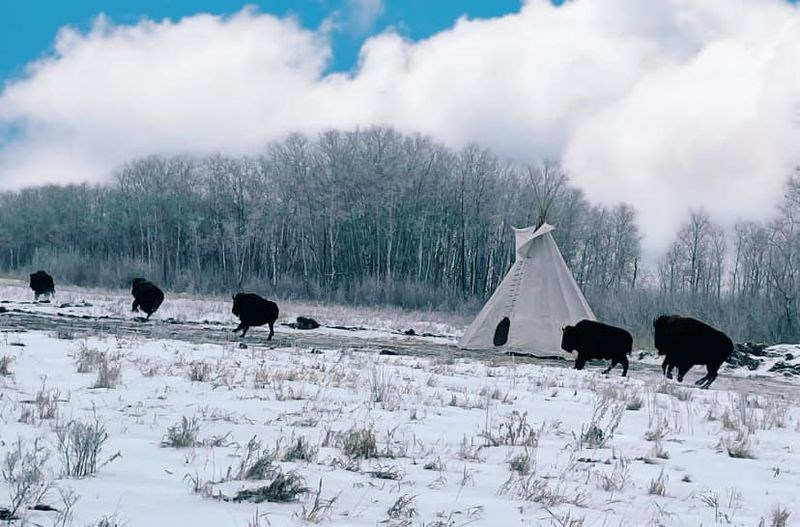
(501, 332)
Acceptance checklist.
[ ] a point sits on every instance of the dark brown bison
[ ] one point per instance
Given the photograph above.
(686, 342)
(146, 296)
(254, 310)
(595, 340)
(42, 284)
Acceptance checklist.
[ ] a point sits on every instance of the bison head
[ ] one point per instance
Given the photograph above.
(659, 326)
(236, 304)
(568, 338)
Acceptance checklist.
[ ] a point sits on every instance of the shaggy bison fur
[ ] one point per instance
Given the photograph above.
(595, 340)
(42, 284)
(686, 342)
(146, 296)
(254, 310)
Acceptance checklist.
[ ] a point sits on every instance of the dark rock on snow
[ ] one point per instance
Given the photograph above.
(786, 369)
(306, 323)
(743, 355)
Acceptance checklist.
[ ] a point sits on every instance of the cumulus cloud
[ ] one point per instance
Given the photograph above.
(668, 104)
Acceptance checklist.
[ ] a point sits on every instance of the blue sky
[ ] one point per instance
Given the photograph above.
(28, 28)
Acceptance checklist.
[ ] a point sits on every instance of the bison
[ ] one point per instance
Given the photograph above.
(595, 340)
(254, 310)
(42, 284)
(686, 342)
(146, 295)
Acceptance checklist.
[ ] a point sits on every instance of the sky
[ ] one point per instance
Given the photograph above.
(669, 105)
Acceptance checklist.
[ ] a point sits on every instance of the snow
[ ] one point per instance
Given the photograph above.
(458, 414)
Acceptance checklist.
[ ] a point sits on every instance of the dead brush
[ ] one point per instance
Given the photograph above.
(109, 373)
(436, 464)
(261, 377)
(200, 371)
(393, 448)
(658, 486)
(775, 414)
(469, 451)
(617, 478)
(47, 402)
(23, 471)
(634, 402)
(288, 393)
(200, 486)
(320, 509)
(257, 462)
(737, 445)
(88, 359)
(658, 431)
(109, 521)
(182, 434)
(608, 391)
(5, 365)
(79, 445)
(494, 394)
(217, 441)
(390, 472)
(567, 520)
(668, 388)
(514, 431)
(606, 417)
(659, 451)
(739, 415)
(779, 516)
(522, 463)
(148, 368)
(284, 488)
(255, 521)
(358, 443)
(66, 514)
(402, 509)
(300, 450)
(382, 390)
(547, 493)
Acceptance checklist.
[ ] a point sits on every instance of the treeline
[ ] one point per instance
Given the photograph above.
(377, 217)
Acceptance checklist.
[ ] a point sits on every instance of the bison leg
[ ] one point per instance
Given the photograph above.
(271, 331)
(244, 330)
(135, 306)
(624, 362)
(666, 367)
(701, 380)
(580, 363)
(708, 382)
(611, 367)
(682, 369)
(711, 376)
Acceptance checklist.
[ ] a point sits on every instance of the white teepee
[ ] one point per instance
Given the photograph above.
(535, 300)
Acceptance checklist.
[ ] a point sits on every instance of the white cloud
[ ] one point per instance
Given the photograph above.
(364, 13)
(668, 104)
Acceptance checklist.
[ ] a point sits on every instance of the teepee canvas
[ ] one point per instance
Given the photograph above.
(534, 301)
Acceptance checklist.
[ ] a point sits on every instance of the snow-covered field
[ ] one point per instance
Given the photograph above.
(185, 307)
(181, 428)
